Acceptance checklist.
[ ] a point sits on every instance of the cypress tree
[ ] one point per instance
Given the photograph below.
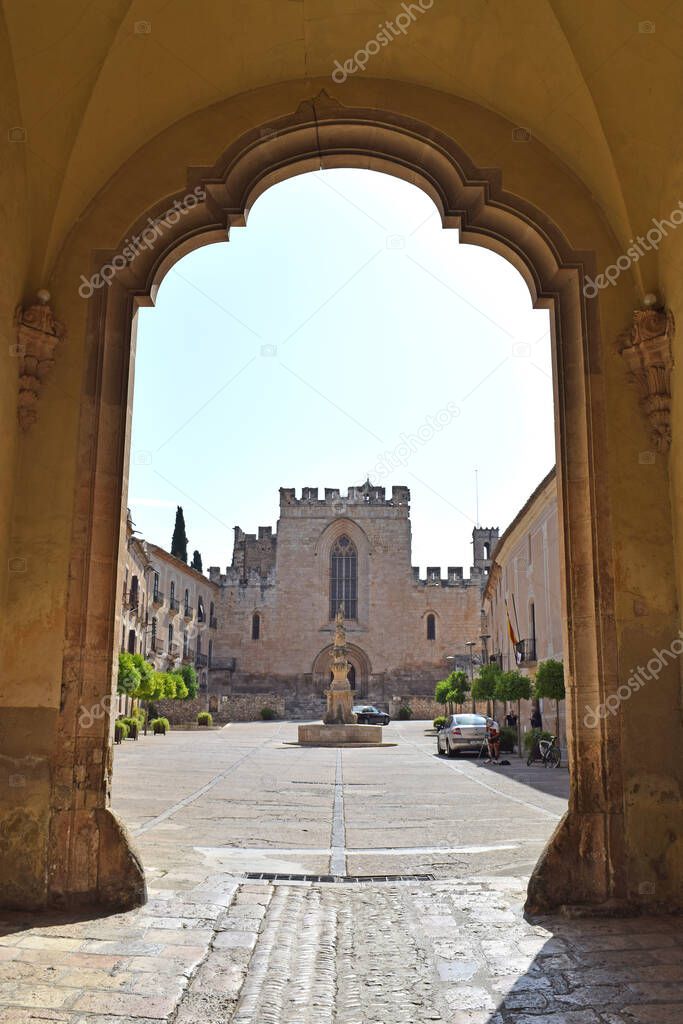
(179, 541)
(197, 561)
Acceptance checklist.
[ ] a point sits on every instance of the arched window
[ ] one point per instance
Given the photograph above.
(200, 609)
(170, 637)
(186, 602)
(256, 626)
(210, 656)
(431, 627)
(173, 604)
(344, 578)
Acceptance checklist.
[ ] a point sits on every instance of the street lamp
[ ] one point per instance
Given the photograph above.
(470, 644)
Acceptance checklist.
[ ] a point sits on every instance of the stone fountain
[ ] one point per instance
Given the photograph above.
(339, 725)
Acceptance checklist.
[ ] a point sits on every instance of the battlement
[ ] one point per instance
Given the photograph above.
(254, 553)
(454, 576)
(366, 494)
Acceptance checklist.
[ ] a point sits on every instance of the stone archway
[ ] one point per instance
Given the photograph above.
(589, 845)
(360, 664)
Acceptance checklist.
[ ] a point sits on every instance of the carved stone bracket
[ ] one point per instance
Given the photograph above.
(38, 334)
(647, 349)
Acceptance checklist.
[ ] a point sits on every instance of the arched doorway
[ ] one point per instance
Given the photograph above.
(359, 673)
(322, 133)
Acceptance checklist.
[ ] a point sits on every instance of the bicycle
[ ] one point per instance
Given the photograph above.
(547, 752)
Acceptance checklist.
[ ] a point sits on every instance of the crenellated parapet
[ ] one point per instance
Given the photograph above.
(454, 576)
(366, 494)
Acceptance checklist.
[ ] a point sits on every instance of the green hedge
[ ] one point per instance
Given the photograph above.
(204, 718)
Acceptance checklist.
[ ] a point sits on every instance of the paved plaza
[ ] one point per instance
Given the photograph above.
(213, 810)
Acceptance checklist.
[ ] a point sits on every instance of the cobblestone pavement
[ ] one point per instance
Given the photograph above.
(212, 947)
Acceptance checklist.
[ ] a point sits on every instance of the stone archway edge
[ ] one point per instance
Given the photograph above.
(321, 133)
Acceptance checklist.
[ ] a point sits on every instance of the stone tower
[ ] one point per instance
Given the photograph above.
(484, 540)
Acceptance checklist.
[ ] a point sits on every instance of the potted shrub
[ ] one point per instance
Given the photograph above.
(508, 739)
(120, 730)
(160, 726)
(405, 712)
(205, 718)
(267, 714)
(133, 727)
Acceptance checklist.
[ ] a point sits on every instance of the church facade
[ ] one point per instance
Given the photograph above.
(278, 600)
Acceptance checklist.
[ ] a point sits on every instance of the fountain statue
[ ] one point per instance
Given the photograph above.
(339, 726)
(339, 695)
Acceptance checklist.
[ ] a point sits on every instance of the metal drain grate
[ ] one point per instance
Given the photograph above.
(268, 876)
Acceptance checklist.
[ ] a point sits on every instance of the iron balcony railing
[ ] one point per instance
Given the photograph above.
(157, 597)
(201, 660)
(174, 604)
(526, 651)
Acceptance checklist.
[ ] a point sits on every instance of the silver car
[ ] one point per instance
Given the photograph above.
(461, 732)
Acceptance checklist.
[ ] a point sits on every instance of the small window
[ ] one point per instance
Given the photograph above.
(186, 602)
(256, 626)
(210, 653)
(431, 627)
(131, 641)
(200, 609)
(170, 638)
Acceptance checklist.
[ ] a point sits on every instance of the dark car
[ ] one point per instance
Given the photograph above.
(366, 714)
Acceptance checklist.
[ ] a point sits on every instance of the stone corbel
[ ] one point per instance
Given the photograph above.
(647, 350)
(38, 334)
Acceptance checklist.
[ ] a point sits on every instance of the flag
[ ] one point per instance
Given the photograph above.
(517, 645)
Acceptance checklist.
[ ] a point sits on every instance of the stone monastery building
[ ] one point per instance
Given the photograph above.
(277, 601)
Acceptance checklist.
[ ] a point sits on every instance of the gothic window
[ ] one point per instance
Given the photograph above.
(431, 627)
(256, 626)
(344, 578)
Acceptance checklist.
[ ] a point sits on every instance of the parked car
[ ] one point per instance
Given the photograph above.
(366, 714)
(461, 732)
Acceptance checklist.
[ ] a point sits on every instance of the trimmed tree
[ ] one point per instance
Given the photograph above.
(485, 684)
(129, 677)
(514, 686)
(459, 687)
(441, 691)
(189, 675)
(550, 684)
(196, 562)
(179, 539)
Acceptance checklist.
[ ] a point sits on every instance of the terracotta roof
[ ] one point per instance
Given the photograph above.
(180, 565)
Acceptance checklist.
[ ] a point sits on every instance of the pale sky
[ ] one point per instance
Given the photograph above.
(343, 333)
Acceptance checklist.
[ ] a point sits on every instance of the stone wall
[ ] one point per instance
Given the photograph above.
(180, 712)
(247, 707)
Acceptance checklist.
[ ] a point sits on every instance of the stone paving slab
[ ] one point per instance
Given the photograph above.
(211, 947)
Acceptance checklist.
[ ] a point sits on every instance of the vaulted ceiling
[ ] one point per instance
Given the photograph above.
(599, 84)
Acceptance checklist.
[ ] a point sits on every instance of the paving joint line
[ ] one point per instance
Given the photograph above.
(191, 797)
(485, 785)
(338, 840)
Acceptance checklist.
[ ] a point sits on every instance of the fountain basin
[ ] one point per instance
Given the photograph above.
(338, 735)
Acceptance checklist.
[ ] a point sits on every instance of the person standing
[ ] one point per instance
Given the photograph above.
(493, 741)
(536, 720)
